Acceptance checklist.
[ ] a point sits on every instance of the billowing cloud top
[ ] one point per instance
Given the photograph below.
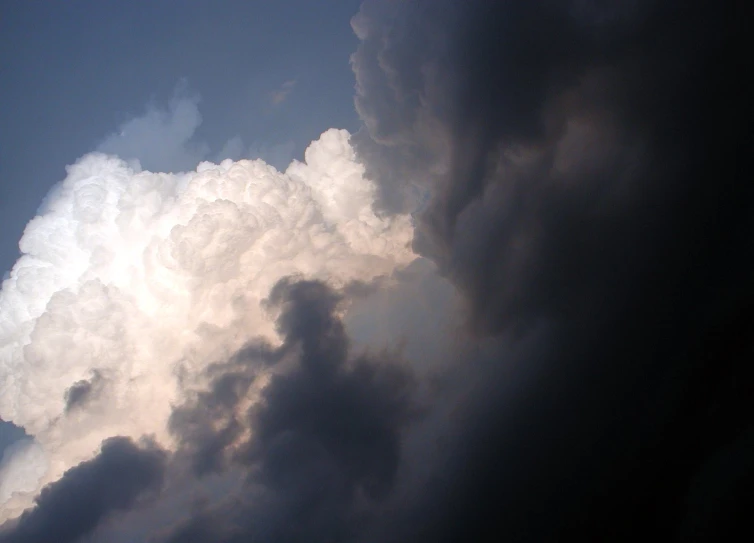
(132, 281)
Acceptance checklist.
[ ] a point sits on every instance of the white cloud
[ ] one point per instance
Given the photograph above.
(148, 277)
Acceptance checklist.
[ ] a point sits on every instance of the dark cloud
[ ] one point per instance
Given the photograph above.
(587, 169)
(400, 95)
(324, 436)
(73, 506)
(82, 391)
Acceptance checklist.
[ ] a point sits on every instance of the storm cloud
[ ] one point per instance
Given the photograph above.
(586, 165)
(564, 352)
(80, 319)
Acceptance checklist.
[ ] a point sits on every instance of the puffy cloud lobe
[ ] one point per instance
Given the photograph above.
(575, 195)
(144, 278)
(71, 507)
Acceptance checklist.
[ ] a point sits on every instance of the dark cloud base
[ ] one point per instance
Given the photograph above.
(73, 506)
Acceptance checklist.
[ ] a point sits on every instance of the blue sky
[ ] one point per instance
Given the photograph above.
(269, 78)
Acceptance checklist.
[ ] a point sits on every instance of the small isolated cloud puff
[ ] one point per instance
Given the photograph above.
(281, 95)
(142, 279)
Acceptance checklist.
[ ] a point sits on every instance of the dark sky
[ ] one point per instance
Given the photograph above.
(570, 359)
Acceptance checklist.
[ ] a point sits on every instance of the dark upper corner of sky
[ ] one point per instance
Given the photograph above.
(72, 72)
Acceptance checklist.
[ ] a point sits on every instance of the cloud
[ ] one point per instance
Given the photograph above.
(164, 139)
(311, 431)
(82, 391)
(161, 140)
(232, 149)
(565, 204)
(306, 440)
(321, 445)
(568, 359)
(72, 507)
(145, 278)
(281, 95)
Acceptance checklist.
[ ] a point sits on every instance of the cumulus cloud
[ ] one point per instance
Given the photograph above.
(569, 359)
(132, 281)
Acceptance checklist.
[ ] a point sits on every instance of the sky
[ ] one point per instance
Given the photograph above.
(376, 271)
